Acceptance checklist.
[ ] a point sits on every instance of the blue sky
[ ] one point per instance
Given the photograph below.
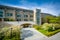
(47, 6)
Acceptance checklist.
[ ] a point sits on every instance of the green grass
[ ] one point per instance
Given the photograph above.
(48, 34)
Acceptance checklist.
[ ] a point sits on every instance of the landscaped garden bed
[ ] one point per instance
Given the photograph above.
(10, 33)
(49, 33)
(48, 29)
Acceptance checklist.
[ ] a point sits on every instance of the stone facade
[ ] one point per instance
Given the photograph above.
(19, 14)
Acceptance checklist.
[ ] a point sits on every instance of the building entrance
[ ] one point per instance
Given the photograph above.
(0, 19)
(26, 25)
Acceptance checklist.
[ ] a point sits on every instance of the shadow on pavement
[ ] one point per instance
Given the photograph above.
(26, 33)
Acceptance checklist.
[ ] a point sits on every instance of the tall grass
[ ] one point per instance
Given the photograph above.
(10, 34)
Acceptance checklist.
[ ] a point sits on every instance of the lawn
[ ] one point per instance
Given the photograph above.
(10, 33)
(48, 33)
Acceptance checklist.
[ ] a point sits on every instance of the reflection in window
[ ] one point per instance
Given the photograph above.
(18, 15)
(31, 19)
(31, 15)
(1, 13)
(9, 14)
(25, 15)
(18, 19)
(25, 19)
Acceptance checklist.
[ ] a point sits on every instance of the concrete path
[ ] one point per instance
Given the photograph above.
(33, 34)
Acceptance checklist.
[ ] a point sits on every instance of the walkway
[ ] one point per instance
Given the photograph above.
(32, 34)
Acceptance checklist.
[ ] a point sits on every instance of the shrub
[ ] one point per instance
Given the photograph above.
(50, 29)
(11, 19)
(57, 26)
(37, 27)
(45, 26)
(7, 35)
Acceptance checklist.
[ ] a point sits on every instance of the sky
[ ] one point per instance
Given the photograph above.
(46, 6)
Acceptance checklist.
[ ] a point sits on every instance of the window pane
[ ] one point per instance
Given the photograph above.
(18, 19)
(25, 15)
(18, 15)
(31, 19)
(9, 14)
(31, 15)
(1, 13)
(25, 19)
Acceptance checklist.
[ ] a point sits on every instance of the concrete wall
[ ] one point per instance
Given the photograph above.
(19, 22)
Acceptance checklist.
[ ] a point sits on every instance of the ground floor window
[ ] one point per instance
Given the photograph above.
(0, 19)
(6, 19)
(18, 19)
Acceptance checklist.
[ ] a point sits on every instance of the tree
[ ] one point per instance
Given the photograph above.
(58, 21)
(50, 19)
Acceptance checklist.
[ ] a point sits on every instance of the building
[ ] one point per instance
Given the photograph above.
(8, 13)
(44, 19)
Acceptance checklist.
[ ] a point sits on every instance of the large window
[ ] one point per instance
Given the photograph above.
(25, 19)
(18, 19)
(18, 15)
(25, 15)
(31, 15)
(1, 13)
(9, 14)
(31, 19)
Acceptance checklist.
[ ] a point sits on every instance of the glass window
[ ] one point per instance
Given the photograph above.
(25, 19)
(18, 15)
(25, 15)
(9, 14)
(31, 15)
(1, 13)
(18, 19)
(18, 10)
(6, 19)
(31, 19)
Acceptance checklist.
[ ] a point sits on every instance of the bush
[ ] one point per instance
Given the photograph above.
(45, 26)
(11, 19)
(8, 19)
(37, 27)
(15, 35)
(50, 29)
(57, 26)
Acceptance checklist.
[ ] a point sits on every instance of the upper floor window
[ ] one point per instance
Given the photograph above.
(31, 15)
(25, 15)
(18, 10)
(9, 14)
(18, 15)
(1, 13)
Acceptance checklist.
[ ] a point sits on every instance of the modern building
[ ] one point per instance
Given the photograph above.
(44, 19)
(8, 13)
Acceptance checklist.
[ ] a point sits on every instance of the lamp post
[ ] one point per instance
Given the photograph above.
(11, 32)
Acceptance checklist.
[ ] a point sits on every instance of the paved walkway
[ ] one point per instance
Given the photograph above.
(32, 34)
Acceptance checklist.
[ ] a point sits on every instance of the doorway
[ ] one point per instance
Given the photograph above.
(26, 25)
(0, 19)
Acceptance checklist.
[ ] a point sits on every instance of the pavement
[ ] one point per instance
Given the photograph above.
(33, 34)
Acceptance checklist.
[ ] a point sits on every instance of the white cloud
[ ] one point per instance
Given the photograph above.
(47, 8)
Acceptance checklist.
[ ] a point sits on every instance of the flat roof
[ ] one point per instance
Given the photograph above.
(16, 8)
